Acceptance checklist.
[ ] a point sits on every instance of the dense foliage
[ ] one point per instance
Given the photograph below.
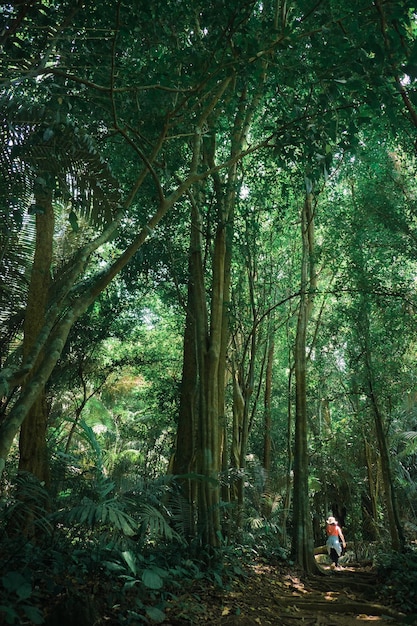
(207, 292)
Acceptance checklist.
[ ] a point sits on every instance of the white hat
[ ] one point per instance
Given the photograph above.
(331, 520)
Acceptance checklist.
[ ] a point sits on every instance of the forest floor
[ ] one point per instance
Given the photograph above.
(275, 595)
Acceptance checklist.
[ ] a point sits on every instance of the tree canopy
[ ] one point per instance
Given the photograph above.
(208, 267)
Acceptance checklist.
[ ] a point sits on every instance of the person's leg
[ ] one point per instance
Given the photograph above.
(334, 557)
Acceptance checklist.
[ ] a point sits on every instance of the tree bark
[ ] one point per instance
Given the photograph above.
(210, 309)
(267, 407)
(32, 441)
(184, 461)
(303, 543)
(396, 532)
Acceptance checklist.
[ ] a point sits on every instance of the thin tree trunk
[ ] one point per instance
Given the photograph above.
(185, 446)
(209, 432)
(184, 461)
(303, 543)
(248, 387)
(267, 408)
(371, 512)
(396, 532)
(288, 480)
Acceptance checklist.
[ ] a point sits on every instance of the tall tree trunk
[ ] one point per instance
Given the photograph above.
(303, 543)
(211, 329)
(290, 456)
(247, 386)
(396, 532)
(224, 374)
(267, 408)
(32, 441)
(184, 456)
(199, 429)
(370, 510)
(208, 442)
(184, 461)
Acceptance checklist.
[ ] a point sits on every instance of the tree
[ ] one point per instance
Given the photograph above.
(303, 536)
(50, 344)
(170, 108)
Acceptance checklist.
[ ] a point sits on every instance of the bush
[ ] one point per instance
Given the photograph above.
(397, 572)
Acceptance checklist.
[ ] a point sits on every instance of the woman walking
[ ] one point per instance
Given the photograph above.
(334, 537)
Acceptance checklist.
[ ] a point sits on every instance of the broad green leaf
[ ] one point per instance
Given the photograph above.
(129, 557)
(155, 614)
(152, 580)
(11, 615)
(33, 614)
(24, 591)
(15, 582)
(127, 524)
(113, 567)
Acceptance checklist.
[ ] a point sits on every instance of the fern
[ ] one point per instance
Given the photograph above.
(94, 515)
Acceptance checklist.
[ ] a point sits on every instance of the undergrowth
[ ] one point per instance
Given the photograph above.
(98, 556)
(397, 573)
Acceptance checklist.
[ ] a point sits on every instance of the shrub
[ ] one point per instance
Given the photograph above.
(397, 572)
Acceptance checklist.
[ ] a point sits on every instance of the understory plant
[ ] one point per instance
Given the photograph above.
(84, 533)
(397, 572)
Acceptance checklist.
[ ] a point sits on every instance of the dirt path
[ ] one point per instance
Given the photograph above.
(272, 596)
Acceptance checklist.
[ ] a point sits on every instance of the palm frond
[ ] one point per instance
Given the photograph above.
(41, 152)
(410, 438)
(94, 514)
(183, 516)
(156, 524)
(29, 504)
(410, 435)
(45, 150)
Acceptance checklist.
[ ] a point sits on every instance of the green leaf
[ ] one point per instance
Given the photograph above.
(127, 524)
(24, 591)
(15, 582)
(130, 583)
(102, 513)
(152, 580)
(129, 557)
(113, 517)
(112, 567)
(33, 614)
(155, 614)
(48, 134)
(85, 513)
(11, 615)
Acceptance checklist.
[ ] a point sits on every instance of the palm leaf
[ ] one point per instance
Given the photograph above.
(42, 152)
(410, 437)
(155, 523)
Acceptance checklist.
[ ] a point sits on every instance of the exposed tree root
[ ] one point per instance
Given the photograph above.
(340, 605)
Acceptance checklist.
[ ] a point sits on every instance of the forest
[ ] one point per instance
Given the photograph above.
(208, 307)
